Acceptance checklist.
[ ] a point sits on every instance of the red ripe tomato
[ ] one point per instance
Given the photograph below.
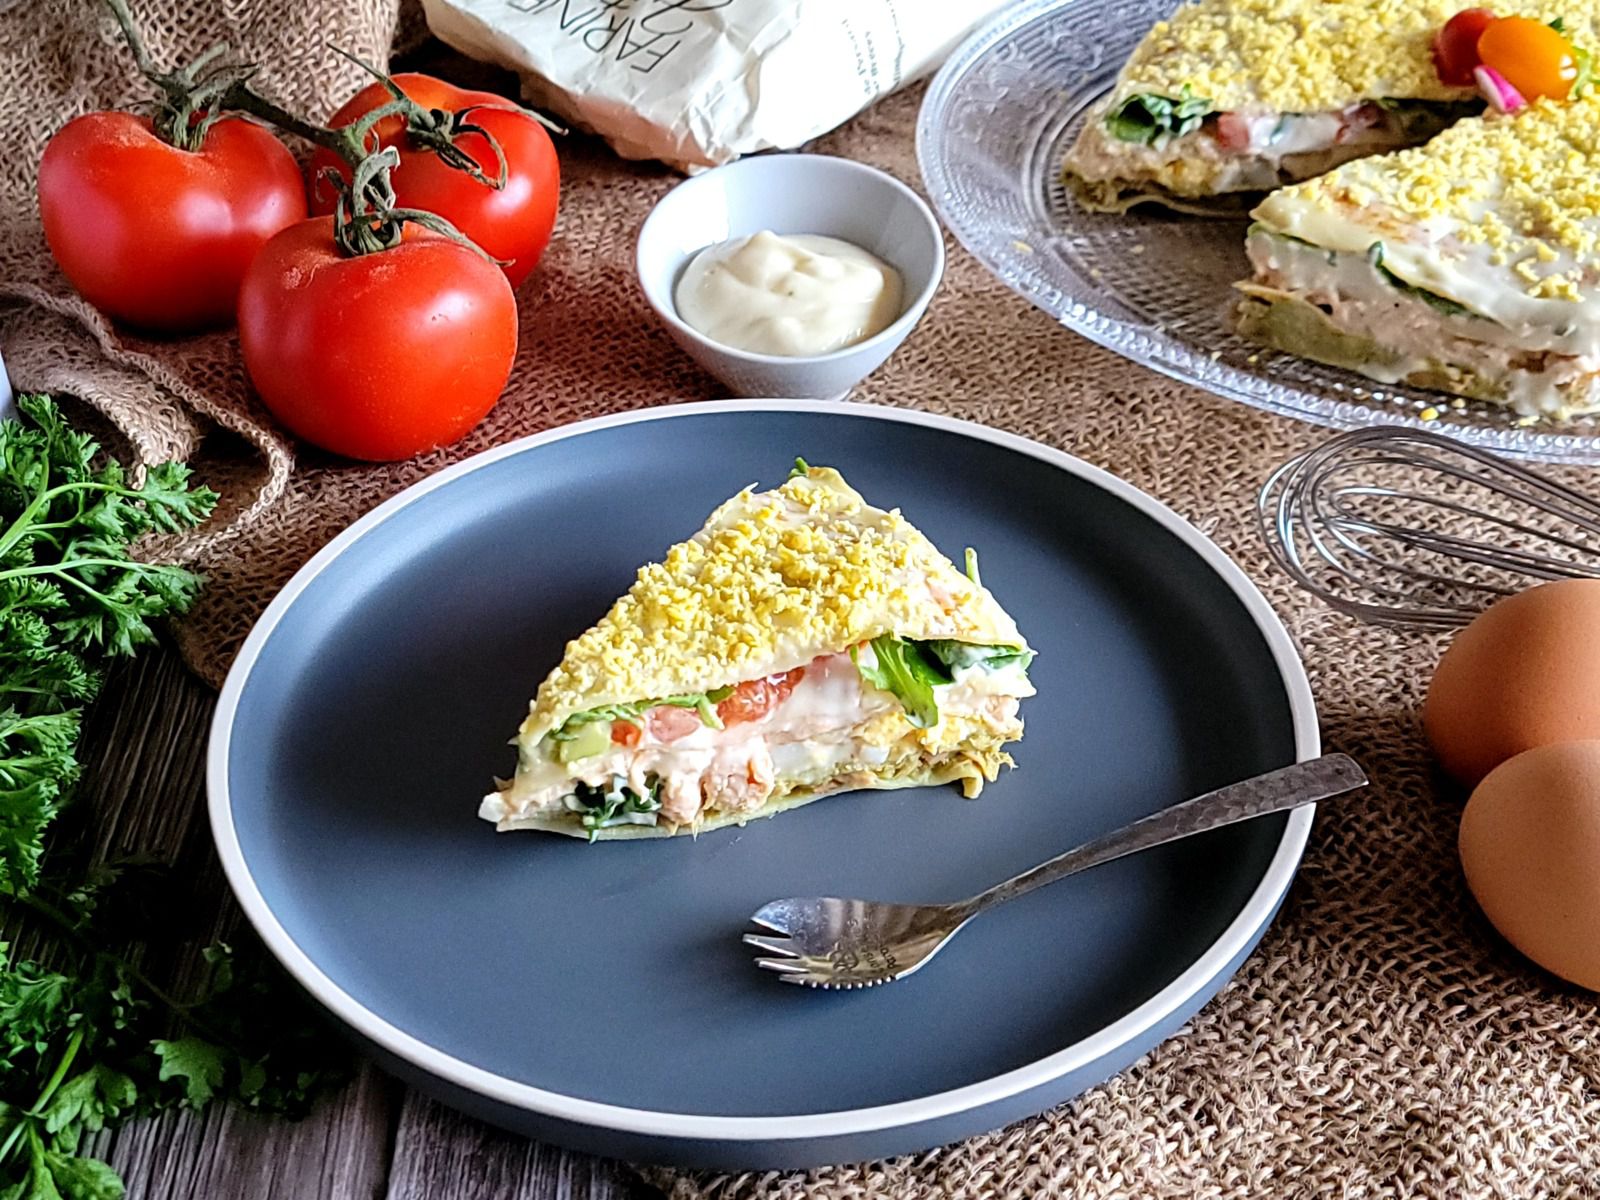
(755, 698)
(1455, 49)
(624, 733)
(513, 223)
(376, 356)
(160, 237)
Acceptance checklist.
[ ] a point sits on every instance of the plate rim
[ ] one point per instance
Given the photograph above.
(1164, 354)
(1253, 917)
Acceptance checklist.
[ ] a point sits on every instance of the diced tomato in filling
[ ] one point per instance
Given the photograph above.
(668, 723)
(625, 733)
(1233, 131)
(755, 698)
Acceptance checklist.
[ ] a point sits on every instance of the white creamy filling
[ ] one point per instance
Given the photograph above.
(1281, 148)
(1529, 363)
(1275, 137)
(814, 732)
(1430, 255)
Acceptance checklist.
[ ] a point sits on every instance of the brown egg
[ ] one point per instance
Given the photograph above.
(1525, 673)
(1530, 845)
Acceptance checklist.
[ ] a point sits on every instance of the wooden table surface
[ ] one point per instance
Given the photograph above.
(144, 749)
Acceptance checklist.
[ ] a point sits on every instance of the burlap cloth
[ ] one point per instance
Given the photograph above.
(1381, 1043)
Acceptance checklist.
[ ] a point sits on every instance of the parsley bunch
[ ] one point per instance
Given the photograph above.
(86, 1039)
(70, 593)
(90, 1041)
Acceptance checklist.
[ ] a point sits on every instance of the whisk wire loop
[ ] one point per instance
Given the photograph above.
(1403, 526)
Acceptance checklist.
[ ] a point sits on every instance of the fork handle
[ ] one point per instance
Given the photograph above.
(1276, 791)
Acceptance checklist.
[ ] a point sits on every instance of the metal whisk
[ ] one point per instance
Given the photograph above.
(1405, 527)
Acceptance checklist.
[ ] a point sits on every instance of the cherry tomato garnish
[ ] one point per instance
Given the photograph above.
(755, 698)
(1535, 59)
(1455, 49)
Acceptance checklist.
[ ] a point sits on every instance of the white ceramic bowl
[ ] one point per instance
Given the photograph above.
(792, 194)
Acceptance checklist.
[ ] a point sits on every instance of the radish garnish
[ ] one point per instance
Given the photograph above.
(1497, 90)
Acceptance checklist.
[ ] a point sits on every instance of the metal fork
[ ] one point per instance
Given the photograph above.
(827, 942)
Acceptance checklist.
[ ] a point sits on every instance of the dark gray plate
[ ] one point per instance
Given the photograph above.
(599, 995)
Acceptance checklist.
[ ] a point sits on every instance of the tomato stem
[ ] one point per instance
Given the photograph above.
(191, 98)
(436, 130)
(366, 219)
(131, 35)
(377, 223)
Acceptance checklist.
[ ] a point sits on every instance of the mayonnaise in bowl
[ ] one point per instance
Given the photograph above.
(793, 296)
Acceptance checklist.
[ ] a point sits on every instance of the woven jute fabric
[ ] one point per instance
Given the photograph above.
(1382, 1042)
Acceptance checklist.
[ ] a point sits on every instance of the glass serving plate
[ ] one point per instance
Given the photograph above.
(1154, 287)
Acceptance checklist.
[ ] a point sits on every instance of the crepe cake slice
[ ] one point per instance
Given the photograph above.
(1470, 265)
(1241, 96)
(802, 643)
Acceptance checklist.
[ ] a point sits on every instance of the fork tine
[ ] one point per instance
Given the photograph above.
(784, 966)
(781, 946)
(771, 916)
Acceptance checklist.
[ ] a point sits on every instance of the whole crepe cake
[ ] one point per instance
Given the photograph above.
(1425, 235)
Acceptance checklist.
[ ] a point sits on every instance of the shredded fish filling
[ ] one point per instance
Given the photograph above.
(831, 723)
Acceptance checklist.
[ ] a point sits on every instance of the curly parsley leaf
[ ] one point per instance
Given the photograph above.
(86, 1040)
(90, 1101)
(199, 1064)
(96, 1043)
(277, 1052)
(68, 519)
(38, 762)
(78, 1178)
(31, 1003)
(54, 1175)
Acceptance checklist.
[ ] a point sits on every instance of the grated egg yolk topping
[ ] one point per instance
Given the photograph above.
(1304, 56)
(1525, 187)
(773, 579)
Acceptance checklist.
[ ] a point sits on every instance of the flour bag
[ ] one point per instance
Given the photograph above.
(695, 83)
